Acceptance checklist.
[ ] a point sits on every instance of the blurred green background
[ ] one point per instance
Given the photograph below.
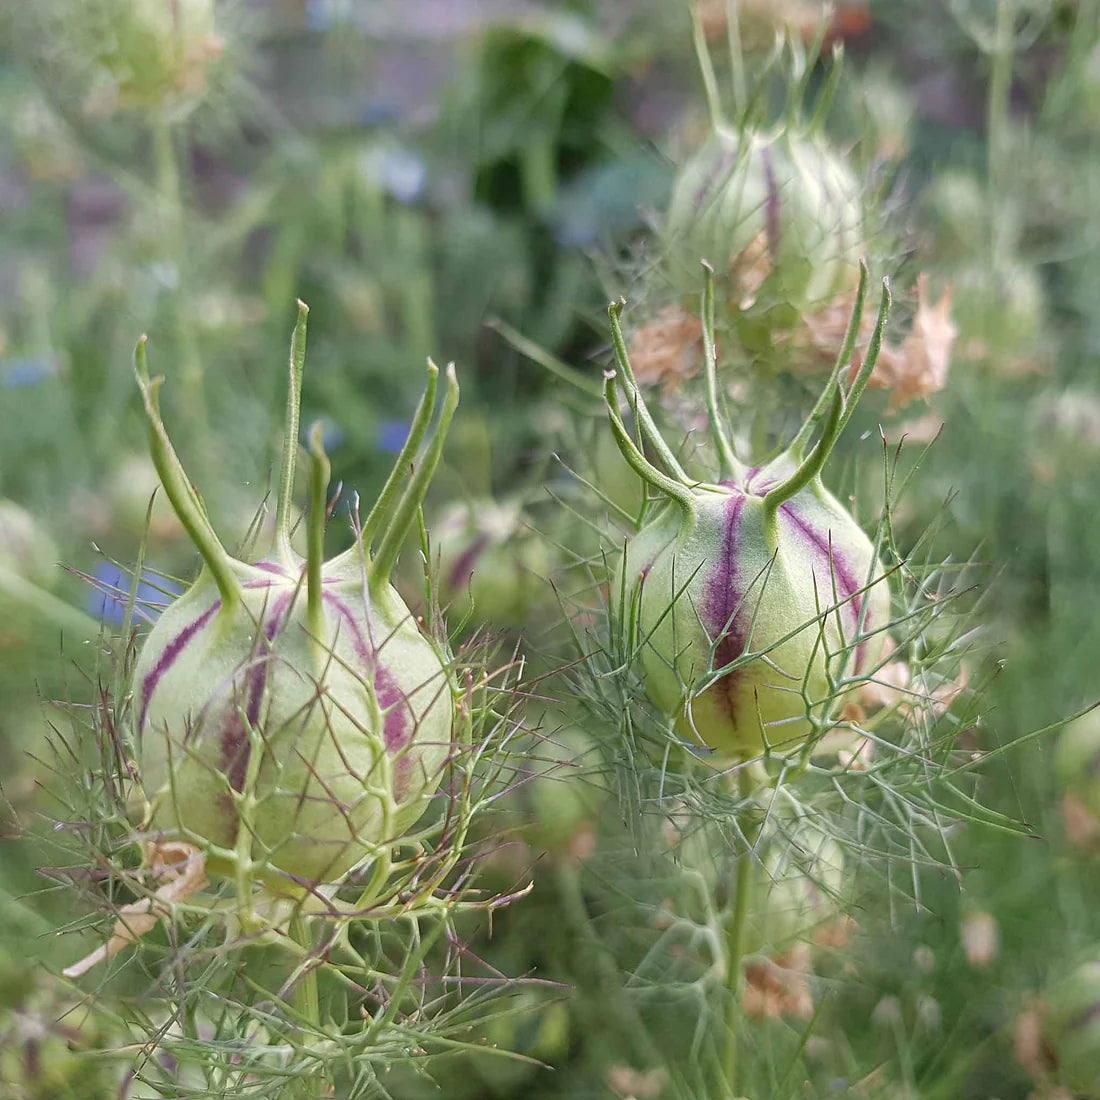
(455, 177)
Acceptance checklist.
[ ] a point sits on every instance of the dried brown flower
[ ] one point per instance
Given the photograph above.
(981, 938)
(183, 866)
(919, 366)
(668, 349)
(779, 987)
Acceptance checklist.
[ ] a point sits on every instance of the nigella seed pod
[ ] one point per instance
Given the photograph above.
(748, 599)
(778, 214)
(26, 548)
(492, 565)
(1077, 760)
(291, 717)
(1071, 1029)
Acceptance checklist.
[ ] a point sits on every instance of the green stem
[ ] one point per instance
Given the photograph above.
(851, 334)
(649, 473)
(319, 473)
(646, 426)
(735, 937)
(174, 241)
(379, 515)
(49, 606)
(1000, 86)
(706, 69)
(855, 392)
(728, 464)
(308, 1001)
(827, 94)
(549, 362)
(290, 434)
(185, 501)
(811, 467)
(404, 515)
(737, 58)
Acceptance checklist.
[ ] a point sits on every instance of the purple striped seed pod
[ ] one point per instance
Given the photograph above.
(777, 215)
(795, 586)
(291, 715)
(747, 600)
(492, 566)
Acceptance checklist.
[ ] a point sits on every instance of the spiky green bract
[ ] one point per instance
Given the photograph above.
(291, 716)
(780, 205)
(1071, 1027)
(752, 595)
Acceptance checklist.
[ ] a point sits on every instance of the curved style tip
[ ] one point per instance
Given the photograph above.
(179, 490)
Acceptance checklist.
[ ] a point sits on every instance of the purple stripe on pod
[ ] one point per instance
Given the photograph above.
(398, 721)
(771, 206)
(236, 745)
(463, 568)
(270, 567)
(840, 569)
(168, 657)
(722, 607)
(717, 179)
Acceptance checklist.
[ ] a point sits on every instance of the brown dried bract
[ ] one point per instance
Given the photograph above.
(636, 1084)
(667, 350)
(916, 368)
(919, 367)
(1082, 829)
(779, 987)
(183, 867)
(981, 938)
(750, 269)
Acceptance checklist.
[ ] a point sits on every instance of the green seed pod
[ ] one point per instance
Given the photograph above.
(797, 886)
(1077, 760)
(492, 566)
(778, 216)
(26, 549)
(1071, 1028)
(157, 49)
(748, 597)
(1003, 313)
(531, 1025)
(291, 715)
(564, 800)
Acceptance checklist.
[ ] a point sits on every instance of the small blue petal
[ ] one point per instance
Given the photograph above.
(21, 373)
(318, 15)
(111, 592)
(332, 435)
(392, 435)
(400, 172)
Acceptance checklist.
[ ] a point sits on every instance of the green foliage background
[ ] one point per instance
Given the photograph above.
(430, 179)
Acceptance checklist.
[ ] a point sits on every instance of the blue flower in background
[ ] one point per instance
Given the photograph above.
(111, 592)
(400, 172)
(18, 374)
(392, 435)
(332, 435)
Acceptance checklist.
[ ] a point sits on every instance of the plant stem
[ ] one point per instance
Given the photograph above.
(735, 937)
(1000, 85)
(308, 1002)
(169, 193)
